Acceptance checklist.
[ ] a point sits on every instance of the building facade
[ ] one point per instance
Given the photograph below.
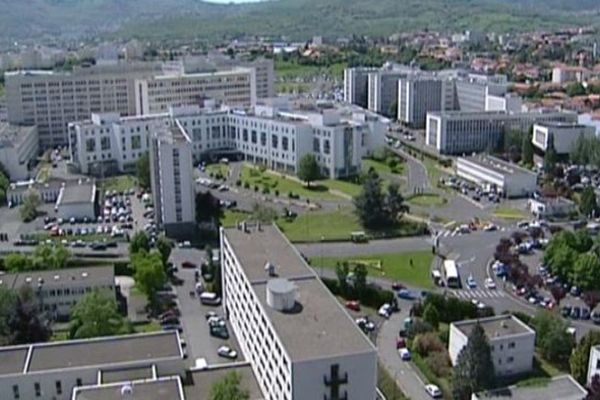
(77, 201)
(356, 85)
(512, 343)
(564, 135)
(19, 148)
(300, 342)
(383, 91)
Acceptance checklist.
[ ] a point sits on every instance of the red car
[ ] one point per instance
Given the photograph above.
(188, 264)
(398, 286)
(353, 305)
(400, 343)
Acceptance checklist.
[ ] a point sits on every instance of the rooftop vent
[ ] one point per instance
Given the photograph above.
(126, 390)
(84, 274)
(270, 268)
(56, 277)
(28, 279)
(281, 294)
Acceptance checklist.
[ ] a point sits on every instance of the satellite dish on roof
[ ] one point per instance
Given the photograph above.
(270, 268)
(126, 390)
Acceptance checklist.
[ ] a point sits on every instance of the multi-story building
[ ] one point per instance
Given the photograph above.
(52, 99)
(563, 387)
(172, 177)
(471, 90)
(419, 94)
(563, 74)
(509, 179)
(300, 341)
(19, 148)
(356, 85)
(512, 342)
(383, 90)
(271, 134)
(235, 87)
(57, 291)
(564, 135)
(594, 363)
(50, 371)
(457, 132)
(77, 201)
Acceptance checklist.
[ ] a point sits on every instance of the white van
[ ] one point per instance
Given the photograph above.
(210, 299)
(199, 288)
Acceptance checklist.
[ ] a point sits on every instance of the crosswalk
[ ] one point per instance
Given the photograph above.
(455, 232)
(478, 294)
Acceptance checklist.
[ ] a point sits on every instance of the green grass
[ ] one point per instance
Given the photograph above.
(509, 213)
(118, 183)
(534, 382)
(386, 383)
(218, 169)
(346, 187)
(433, 170)
(315, 226)
(394, 266)
(230, 217)
(147, 327)
(59, 336)
(429, 200)
(381, 167)
(284, 184)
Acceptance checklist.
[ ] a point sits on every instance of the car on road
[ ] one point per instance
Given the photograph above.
(404, 354)
(227, 352)
(353, 305)
(219, 331)
(211, 314)
(471, 282)
(188, 265)
(406, 294)
(210, 299)
(433, 391)
(365, 324)
(385, 310)
(490, 228)
(400, 343)
(398, 286)
(490, 284)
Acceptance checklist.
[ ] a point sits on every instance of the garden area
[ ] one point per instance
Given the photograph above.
(427, 200)
(218, 171)
(119, 183)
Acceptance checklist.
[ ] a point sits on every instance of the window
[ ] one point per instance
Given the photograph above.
(510, 359)
(253, 137)
(16, 393)
(274, 141)
(37, 389)
(105, 143)
(316, 145)
(136, 142)
(90, 145)
(326, 148)
(511, 345)
(284, 143)
(58, 387)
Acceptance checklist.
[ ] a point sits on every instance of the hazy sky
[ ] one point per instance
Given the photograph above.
(232, 1)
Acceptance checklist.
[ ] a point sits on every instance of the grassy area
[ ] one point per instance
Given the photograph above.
(381, 167)
(509, 213)
(314, 226)
(146, 327)
(44, 172)
(218, 169)
(230, 217)
(346, 187)
(443, 383)
(396, 266)
(433, 170)
(386, 383)
(428, 200)
(118, 183)
(284, 184)
(59, 336)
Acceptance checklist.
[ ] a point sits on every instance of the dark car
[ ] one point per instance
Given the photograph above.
(585, 313)
(575, 313)
(219, 331)
(565, 311)
(169, 320)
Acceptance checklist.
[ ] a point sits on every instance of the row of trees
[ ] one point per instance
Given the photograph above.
(45, 256)
(20, 320)
(586, 151)
(150, 266)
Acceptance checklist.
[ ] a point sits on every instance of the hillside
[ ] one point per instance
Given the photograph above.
(298, 19)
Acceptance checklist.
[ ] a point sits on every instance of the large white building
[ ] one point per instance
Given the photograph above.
(19, 148)
(508, 178)
(77, 201)
(419, 94)
(564, 135)
(57, 291)
(383, 90)
(594, 363)
(512, 343)
(458, 132)
(272, 133)
(172, 177)
(356, 85)
(300, 341)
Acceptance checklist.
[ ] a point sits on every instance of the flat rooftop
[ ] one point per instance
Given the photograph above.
(13, 135)
(105, 351)
(552, 124)
(318, 326)
(498, 326)
(60, 277)
(78, 193)
(126, 374)
(562, 387)
(161, 389)
(202, 381)
(12, 359)
(497, 165)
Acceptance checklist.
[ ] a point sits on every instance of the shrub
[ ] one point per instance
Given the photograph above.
(427, 343)
(246, 185)
(277, 192)
(238, 183)
(256, 188)
(266, 190)
(418, 327)
(439, 363)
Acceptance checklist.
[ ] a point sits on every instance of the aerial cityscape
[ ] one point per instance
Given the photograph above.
(299, 200)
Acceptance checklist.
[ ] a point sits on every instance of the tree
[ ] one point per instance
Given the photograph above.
(341, 271)
(8, 307)
(527, 148)
(370, 203)
(308, 169)
(149, 273)
(208, 208)
(550, 157)
(143, 171)
(581, 356)
(228, 388)
(558, 293)
(395, 202)
(17, 262)
(51, 256)
(263, 213)
(28, 326)
(586, 271)
(553, 340)
(431, 315)
(95, 315)
(474, 370)
(575, 89)
(31, 202)
(164, 247)
(588, 205)
(360, 278)
(591, 298)
(139, 242)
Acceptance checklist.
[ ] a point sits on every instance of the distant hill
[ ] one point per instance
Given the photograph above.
(298, 19)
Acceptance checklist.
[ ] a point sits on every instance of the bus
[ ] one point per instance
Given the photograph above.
(451, 273)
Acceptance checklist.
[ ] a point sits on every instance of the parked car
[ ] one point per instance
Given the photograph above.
(188, 264)
(566, 311)
(353, 305)
(596, 316)
(433, 391)
(385, 310)
(406, 294)
(227, 352)
(404, 354)
(210, 299)
(471, 282)
(585, 313)
(490, 284)
(575, 312)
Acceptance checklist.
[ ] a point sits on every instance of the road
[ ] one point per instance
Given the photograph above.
(417, 173)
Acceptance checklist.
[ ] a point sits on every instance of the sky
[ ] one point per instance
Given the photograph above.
(232, 1)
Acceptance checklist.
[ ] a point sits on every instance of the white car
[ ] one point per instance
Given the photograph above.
(490, 284)
(433, 391)
(385, 310)
(227, 352)
(471, 282)
(404, 354)
(200, 364)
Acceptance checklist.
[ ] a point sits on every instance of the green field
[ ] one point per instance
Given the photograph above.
(316, 226)
(118, 183)
(509, 213)
(284, 184)
(151, 326)
(230, 217)
(394, 266)
(218, 169)
(349, 188)
(428, 200)
(382, 168)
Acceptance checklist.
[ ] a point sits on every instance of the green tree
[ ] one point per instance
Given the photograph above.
(139, 242)
(550, 157)
(28, 325)
(229, 388)
(474, 370)
(143, 171)
(8, 308)
(95, 315)
(17, 262)
(263, 213)
(394, 202)
(586, 271)
(370, 203)
(581, 356)
(208, 209)
(360, 278)
(51, 256)
(308, 169)
(164, 246)
(552, 339)
(527, 148)
(341, 271)
(431, 315)
(31, 202)
(575, 89)
(149, 273)
(588, 205)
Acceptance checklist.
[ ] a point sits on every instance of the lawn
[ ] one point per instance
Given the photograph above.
(428, 200)
(118, 183)
(349, 188)
(316, 226)
(218, 169)
(434, 173)
(394, 266)
(230, 217)
(284, 185)
(509, 213)
(147, 327)
(290, 70)
(382, 168)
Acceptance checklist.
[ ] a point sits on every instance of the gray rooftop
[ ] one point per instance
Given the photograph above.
(105, 351)
(162, 389)
(202, 381)
(498, 165)
(498, 326)
(12, 359)
(78, 193)
(318, 326)
(126, 374)
(562, 388)
(14, 135)
(60, 277)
